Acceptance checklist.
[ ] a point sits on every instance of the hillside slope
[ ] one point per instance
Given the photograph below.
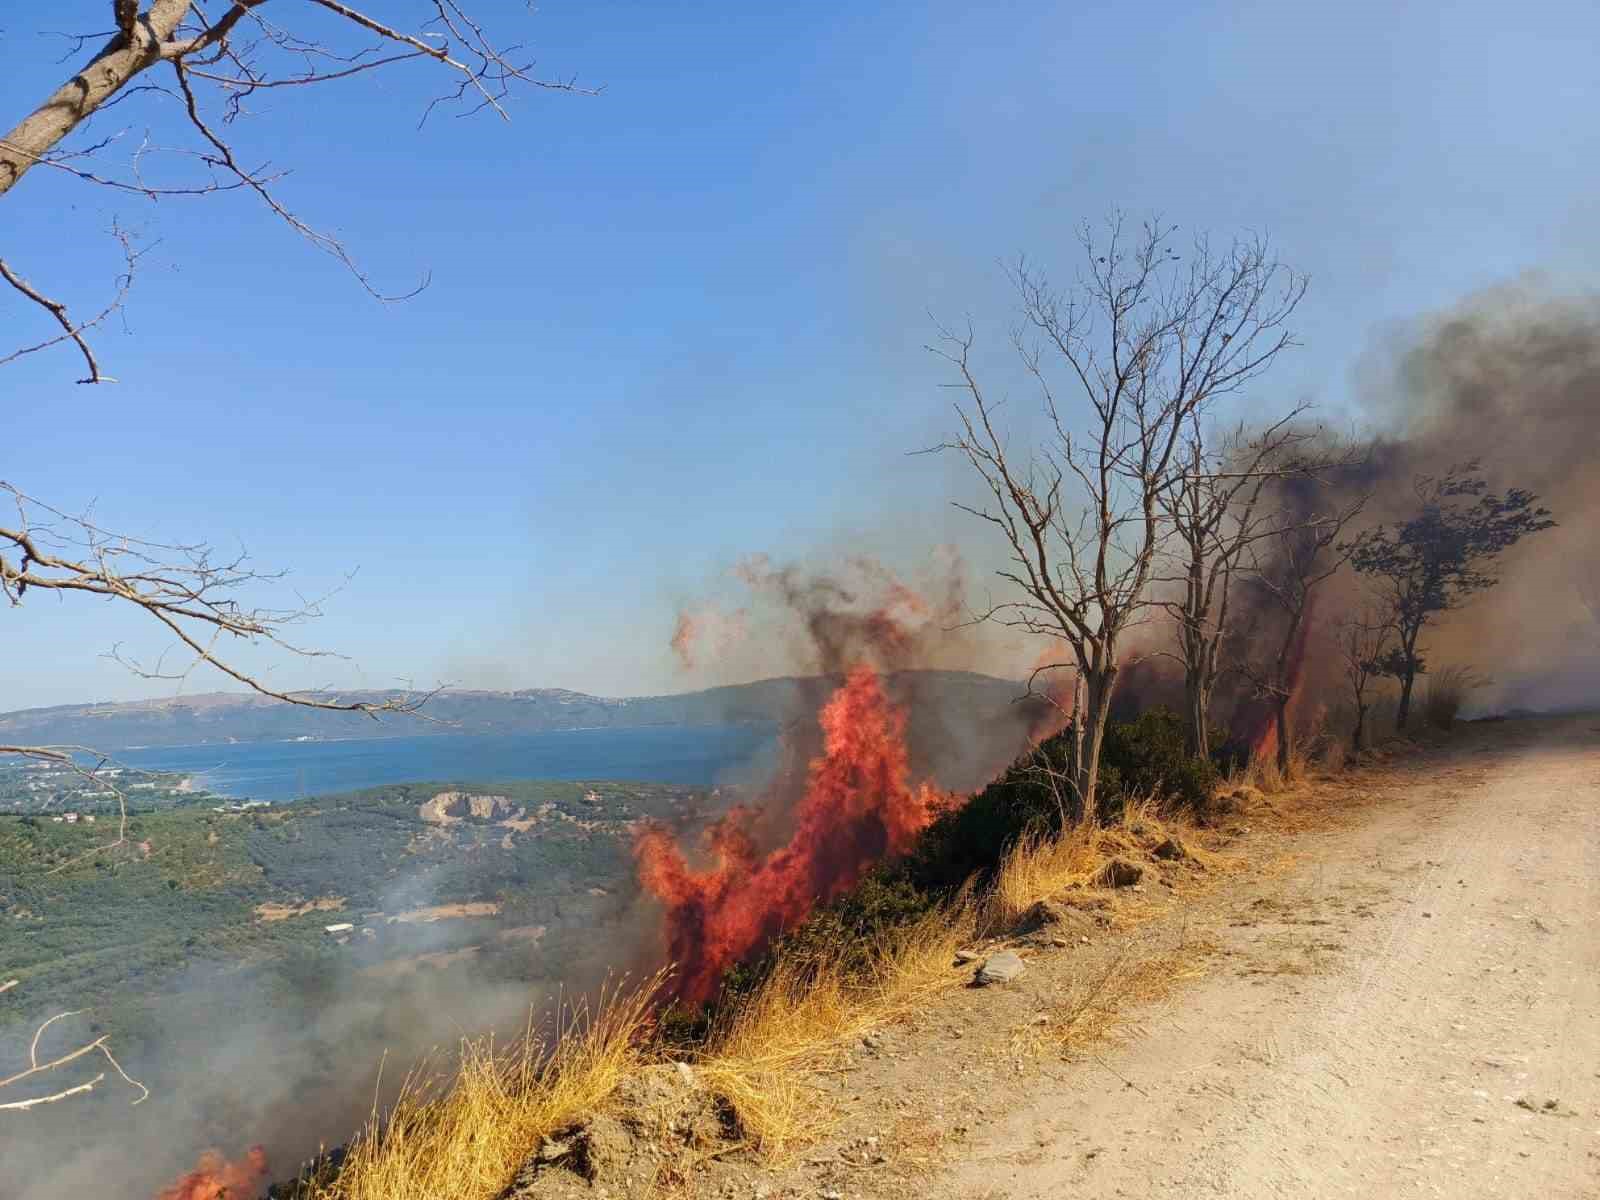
(227, 716)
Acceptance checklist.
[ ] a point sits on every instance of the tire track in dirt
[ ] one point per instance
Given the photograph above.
(1468, 980)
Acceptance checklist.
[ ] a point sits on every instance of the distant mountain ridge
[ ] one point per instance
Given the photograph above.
(247, 717)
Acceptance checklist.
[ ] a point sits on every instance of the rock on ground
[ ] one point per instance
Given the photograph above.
(999, 968)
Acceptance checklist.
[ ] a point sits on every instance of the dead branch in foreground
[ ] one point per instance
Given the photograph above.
(210, 68)
(195, 596)
(36, 1069)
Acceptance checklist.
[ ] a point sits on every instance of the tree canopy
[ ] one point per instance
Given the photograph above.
(1436, 560)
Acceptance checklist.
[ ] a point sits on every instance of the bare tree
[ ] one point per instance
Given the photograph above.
(1363, 637)
(206, 64)
(1123, 363)
(1288, 570)
(1215, 507)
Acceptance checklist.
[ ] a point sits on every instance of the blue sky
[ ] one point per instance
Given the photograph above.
(684, 320)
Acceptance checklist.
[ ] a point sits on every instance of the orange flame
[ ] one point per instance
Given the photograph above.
(216, 1178)
(1264, 742)
(859, 806)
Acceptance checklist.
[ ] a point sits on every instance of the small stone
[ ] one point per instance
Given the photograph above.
(686, 1073)
(999, 968)
(967, 956)
(1172, 850)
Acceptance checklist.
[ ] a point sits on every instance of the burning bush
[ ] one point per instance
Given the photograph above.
(1144, 757)
(216, 1178)
(859, 807)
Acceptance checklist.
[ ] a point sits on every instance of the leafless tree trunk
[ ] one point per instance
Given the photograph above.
(1288, 569)
(1363, 637)
(1216, 514)
(211, 67)
(1123, 364)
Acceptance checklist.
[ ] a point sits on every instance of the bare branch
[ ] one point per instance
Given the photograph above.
(232, 55)
(190, 592)
(73, 331)
(36, 1069)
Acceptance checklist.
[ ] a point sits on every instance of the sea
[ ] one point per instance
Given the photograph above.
(691, 756)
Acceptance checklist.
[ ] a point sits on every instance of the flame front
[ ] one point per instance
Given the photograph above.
(859, 807)
(216, 1178)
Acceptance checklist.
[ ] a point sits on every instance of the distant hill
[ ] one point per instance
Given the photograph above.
(234, 717)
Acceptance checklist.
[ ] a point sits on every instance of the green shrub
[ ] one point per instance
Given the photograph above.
(1029, 799)
(886, 898)
(1148, 756)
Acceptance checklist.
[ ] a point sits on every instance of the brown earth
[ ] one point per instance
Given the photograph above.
(274, 911)
(1388, 986)
(446, 912)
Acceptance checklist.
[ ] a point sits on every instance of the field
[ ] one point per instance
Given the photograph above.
(245, 898)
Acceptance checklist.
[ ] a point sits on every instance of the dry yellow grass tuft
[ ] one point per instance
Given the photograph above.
(465, 1136)
(1093, 1008)
(1040, 867)
(804, 1010)
(1037, 867)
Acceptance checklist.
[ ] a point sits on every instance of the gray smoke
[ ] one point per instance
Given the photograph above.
(1511, 378)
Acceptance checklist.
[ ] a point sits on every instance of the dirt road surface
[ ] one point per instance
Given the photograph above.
(1411, 1010)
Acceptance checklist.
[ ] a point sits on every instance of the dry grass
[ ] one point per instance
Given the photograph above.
(757, 1057)
(1264, 774)
(1040, 867)
(466, 1135)
(1445, 692)
(1037, 867)
(1094, 1008)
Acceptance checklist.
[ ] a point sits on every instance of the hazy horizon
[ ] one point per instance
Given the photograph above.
(252, 697)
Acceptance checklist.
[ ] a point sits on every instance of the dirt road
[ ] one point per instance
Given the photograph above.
(1412, 1010)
